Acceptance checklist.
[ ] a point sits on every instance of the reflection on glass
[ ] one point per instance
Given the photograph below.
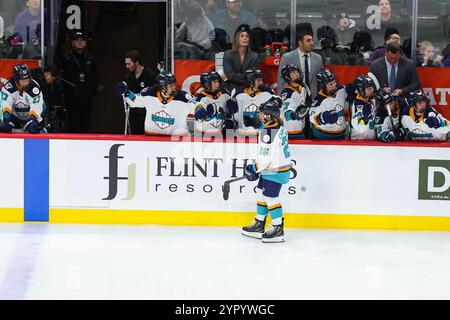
(21, 31)
(267, 20)
(433, 31)
(350, 32)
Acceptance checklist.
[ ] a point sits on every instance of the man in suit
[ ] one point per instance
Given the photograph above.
(395, 73)
(309, 62)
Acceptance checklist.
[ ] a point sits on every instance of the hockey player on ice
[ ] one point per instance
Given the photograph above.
(422, 121)
(294, 109)
(362, 124)
(249, 99)
(271, 169)
(387, 121)
(211, 105)
(327, 110)
(22, 102)
(167, 108)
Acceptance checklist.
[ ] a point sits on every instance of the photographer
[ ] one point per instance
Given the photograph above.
(48, 79)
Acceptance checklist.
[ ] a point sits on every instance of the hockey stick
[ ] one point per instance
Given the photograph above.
(127, 117)
(226, 186)
(377, 85)
(232, 115)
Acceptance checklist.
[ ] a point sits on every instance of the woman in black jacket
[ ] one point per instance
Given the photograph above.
(239, 59)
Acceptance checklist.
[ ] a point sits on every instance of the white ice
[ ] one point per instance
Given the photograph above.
(39, 261)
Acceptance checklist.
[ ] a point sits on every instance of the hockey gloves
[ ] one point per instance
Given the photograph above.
(252, 122)
(298, 114)
(389, 137)
(123, 91)
(250, 172)
(328, 117)
(433, 122)
(232, 106)
(394, 135)
(200, 113)
(205, 114)
(7, 126)
(32, 126)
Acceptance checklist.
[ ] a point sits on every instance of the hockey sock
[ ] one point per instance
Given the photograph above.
(261, 207)
(275, 209)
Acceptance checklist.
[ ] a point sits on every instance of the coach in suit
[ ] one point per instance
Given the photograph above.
(395, 72)
(309, 62)
(240, 58)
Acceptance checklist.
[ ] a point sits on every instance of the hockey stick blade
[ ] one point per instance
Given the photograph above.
(226, 187)
(226, 191)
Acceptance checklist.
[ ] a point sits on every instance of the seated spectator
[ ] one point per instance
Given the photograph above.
(221, 41)
(362, 46)
(392, 35)
(11, 47)
(210, 7)
(232, 17)
(197, 29)
(446, 56)
(425, 56)
(388, 19)
(331, 55)
(27, 20)
(239, 59)
(259, 38)
(33, 49)
(3, 46)
(267, 19)
(345, 30)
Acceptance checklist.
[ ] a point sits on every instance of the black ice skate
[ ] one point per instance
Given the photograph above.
(274, 234)
(255, 230)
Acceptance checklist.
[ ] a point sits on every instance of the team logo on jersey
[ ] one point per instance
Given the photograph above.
(22, 110)
(162, 119)
(217, 121)
(36, 90)
(250, 110)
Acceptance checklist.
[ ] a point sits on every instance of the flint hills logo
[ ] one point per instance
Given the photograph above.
(162, 119)
(434, 179)
(113, 177)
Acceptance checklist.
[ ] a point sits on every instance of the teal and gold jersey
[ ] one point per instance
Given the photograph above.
(274, 156)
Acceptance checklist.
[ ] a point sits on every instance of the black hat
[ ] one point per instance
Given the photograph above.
(243, 28)
(389, 32)
(304, 27)
(78, 34)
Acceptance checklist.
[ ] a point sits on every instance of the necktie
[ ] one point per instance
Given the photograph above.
(392, 78)
(307, 71)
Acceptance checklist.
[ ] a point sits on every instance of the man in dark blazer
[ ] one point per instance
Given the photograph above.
(395, 72)
(298, 57)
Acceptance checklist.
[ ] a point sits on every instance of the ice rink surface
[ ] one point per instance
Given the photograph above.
(40, 261)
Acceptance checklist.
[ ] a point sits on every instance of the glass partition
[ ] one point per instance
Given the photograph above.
(20, 29)
(206, 27)
(348, 32)
(433, 40)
